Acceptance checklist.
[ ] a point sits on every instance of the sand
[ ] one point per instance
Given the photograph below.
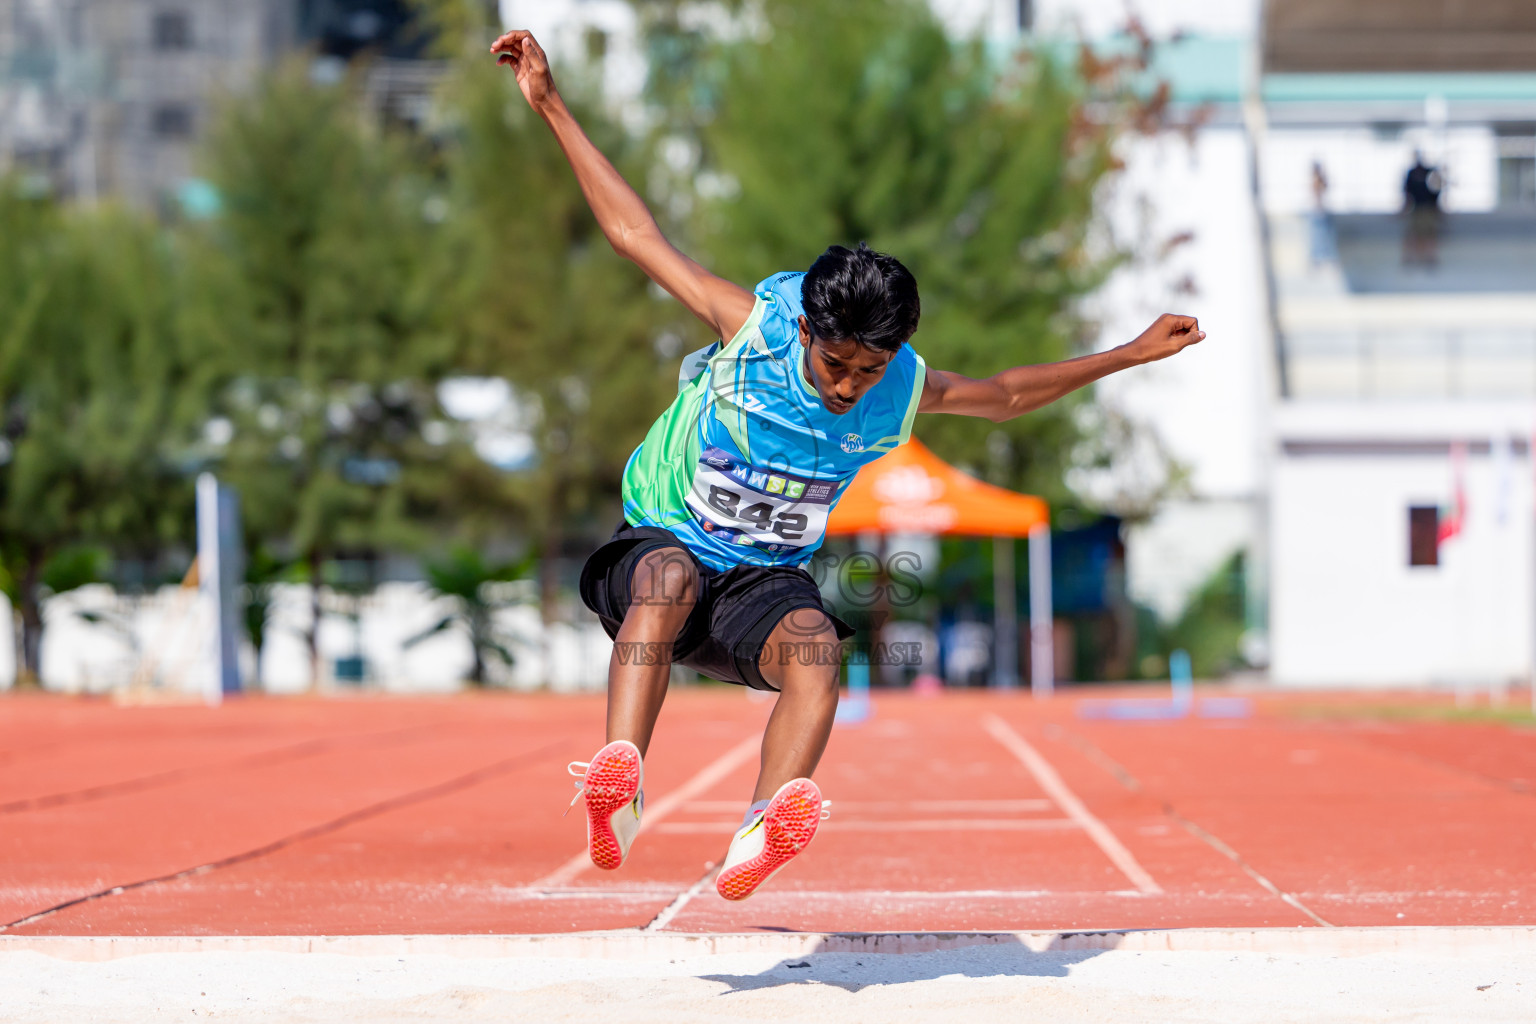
(969, 985)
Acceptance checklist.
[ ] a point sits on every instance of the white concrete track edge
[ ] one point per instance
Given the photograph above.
(637, 945)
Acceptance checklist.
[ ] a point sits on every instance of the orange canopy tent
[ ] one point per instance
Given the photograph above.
(912, 490)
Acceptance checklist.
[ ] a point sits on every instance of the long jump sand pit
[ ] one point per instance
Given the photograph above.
(1221, 976)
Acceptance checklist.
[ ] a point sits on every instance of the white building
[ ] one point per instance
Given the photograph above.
(1384, 370)
(1207, 406)
(108, 97)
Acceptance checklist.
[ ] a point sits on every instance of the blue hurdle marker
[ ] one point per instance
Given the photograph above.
(855, 708)
(1181, 674)
(1181, 704)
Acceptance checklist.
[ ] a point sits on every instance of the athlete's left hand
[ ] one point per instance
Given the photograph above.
(1168, 334)
(519, 49)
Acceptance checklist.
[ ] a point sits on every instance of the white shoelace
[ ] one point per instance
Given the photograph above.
(578, 769)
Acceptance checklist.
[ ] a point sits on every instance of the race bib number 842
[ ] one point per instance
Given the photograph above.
(757, 507)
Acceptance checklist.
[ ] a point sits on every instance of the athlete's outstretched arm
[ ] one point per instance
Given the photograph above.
(627, 224)
(1026, 388)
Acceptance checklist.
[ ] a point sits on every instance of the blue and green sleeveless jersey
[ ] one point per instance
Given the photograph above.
(747, 464)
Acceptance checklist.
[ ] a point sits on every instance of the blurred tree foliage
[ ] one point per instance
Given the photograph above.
(91, 373)
(319, 328)
(1210, 628)
(539, 298)
(469, 582)
(809, 124)
(1212, 624)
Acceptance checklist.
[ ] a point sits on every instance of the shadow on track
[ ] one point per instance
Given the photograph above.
(854, 971)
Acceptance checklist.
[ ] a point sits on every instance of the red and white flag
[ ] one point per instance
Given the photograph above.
(1454, 518)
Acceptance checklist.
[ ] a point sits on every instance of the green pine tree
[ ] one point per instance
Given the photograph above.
(318, 319)
(91, 374)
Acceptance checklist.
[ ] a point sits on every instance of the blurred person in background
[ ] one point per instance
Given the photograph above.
(1322, 247)
(729, 494)
(1421, 202)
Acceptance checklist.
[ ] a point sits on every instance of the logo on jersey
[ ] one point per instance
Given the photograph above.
(852, 443)
(753, 404)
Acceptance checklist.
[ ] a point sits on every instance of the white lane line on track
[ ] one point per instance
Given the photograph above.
(1226, 851)
(1130, 782)
(1074, 808)
(920, 825)
(672, 909)
(701, 783)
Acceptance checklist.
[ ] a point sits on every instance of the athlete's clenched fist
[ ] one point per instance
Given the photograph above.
(1169, 333)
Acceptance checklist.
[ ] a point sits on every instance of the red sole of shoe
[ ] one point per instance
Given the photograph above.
(791, 819)
(612, 780)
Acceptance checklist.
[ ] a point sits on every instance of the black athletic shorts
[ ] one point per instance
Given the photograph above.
(733, 617)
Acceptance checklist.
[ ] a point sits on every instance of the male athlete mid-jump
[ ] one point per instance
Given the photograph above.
(727, 498)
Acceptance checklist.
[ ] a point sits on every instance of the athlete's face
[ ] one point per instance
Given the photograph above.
(841, 371)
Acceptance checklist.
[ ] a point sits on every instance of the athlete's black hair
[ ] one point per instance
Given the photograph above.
(861, 295)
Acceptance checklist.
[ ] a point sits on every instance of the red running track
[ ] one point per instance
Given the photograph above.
(968, 811)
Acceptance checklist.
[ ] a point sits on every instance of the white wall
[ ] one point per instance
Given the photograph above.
(7, 644)
(1207, 402)
(1170, 555)
(168, 628)
(1161, 17)
(1347, 609)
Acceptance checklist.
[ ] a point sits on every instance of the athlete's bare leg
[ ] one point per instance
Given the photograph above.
(800, 659)
(663, 590)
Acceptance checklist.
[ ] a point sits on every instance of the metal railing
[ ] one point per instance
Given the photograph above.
(1396, 364)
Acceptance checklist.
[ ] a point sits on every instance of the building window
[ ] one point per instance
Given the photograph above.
(1423, 535)
(172, 30)
(172, 121)
(1517, 181)
(1517, 164)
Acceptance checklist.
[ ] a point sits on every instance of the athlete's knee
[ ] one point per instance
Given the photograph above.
(811, 678)
(664, 580)
(803, 653)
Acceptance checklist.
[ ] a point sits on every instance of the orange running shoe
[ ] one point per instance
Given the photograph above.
(762, 847)
(611, 783)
